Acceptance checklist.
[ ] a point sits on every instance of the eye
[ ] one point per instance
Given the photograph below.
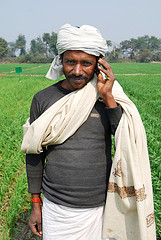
(86, 63)
(70, 61)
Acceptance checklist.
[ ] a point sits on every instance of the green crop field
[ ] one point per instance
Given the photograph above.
(141, 82)
(10, 68)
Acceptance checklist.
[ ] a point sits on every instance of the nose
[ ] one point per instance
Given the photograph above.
(77, 69)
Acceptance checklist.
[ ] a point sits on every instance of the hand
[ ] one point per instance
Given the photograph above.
(35, 220)
(104, 86)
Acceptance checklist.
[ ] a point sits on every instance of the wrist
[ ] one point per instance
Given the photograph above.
(36, 207)
(35, 195)
(109, 101)
(36, 200)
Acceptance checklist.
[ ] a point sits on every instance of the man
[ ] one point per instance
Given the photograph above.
(70, 125)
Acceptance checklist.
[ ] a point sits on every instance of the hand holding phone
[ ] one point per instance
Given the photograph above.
(105, 84)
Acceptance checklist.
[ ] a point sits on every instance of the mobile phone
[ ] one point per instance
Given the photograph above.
(97, 71)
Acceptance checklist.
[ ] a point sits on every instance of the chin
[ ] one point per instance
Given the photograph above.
(78, 84)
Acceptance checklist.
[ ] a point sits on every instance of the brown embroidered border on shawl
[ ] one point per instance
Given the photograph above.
(125, 192)
(117, 171)
(150, 219)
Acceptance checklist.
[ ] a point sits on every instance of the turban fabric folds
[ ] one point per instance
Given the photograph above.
(86, 38)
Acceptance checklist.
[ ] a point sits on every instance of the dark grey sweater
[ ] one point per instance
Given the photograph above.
(76, 172)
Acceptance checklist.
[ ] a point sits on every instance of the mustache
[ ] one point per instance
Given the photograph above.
(80, 77)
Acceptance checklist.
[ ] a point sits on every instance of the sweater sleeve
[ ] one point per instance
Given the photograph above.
(114, 116)
(35, 162)
(34, 168)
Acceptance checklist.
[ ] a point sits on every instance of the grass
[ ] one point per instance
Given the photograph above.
(15, 100)
(10, 68)
(134, 68)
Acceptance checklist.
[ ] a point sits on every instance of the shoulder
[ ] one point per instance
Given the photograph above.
(43, 99)
(49, 94)
(44, 92)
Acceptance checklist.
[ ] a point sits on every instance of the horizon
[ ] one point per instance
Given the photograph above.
(121, 21)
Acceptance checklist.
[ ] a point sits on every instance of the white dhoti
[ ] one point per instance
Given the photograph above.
(65, 223)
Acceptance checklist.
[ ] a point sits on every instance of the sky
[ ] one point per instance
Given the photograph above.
(117, 20)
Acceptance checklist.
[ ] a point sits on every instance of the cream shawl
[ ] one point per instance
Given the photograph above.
(61, 120)
(129, 210)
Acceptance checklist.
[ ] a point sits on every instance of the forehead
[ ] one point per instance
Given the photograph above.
(76, 54)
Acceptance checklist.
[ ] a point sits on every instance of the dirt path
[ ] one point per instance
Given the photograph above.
(116, 74)
(137, 74)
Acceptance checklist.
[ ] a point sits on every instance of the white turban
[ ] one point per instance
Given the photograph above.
(86, 38)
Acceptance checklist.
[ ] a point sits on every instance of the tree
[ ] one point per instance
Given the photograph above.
(145, 55)
(40, 46)
(52, 44)
(21, 44)
(114, 54)
(155, 43)
(3, 48)
(157, 56)
(11, 49)
(46, 40)
(33, 48)
(37, 47)
(109, 43)
(129, 47)
(143, 48)
(147, 46)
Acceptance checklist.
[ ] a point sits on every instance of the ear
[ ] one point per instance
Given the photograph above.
(61, 57)
(97, 71)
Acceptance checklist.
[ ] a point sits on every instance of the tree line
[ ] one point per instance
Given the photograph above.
(43, 49)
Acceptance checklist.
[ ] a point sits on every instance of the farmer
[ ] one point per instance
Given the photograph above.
(70, 128)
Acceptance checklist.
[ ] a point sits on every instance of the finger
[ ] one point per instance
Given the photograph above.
(39, 227)
(100, 78)
(106, 65)
(34, 230)
(109, 76)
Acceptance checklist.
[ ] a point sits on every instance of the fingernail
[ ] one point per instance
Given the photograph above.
(40, 232)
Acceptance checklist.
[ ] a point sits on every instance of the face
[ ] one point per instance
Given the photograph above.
(78, 69)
